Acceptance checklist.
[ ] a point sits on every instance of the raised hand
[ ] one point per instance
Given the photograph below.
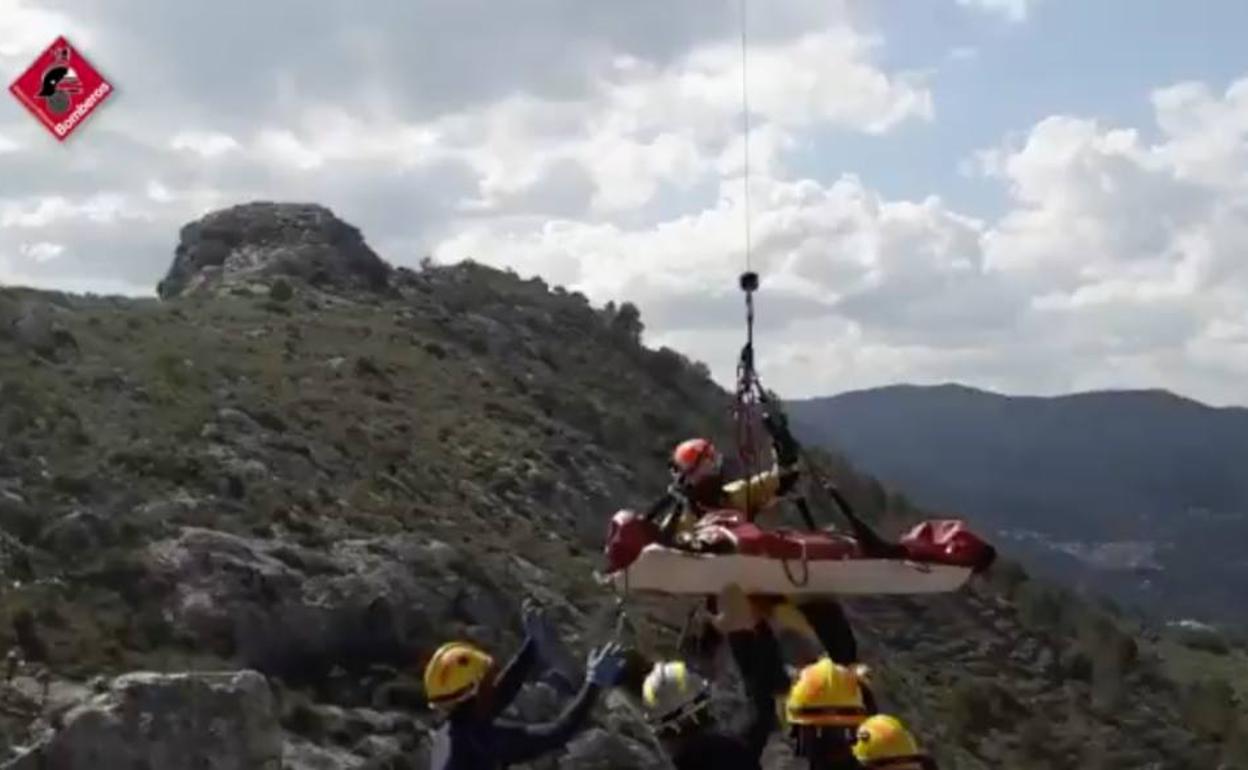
(536, 623)
(736, 613)
(605, 664)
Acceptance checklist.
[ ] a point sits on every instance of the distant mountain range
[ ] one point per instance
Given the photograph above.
(1143, 494)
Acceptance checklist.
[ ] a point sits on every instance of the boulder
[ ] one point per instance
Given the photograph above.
(36, 326)
(234, 248)
(597, 749)
(17, 517)
(77, 533)
(15, 558)
(185, 721)
(285, 610)
(300, 754)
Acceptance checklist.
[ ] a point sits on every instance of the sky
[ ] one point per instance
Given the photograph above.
(1028, 196)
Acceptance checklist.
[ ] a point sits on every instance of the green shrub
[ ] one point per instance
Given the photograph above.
(1203, 639)
(1007, 577)
(281, 291)
(1039, 606)
(976, 706)
(626, 322)
(666, 366)
(1076, 665)
(170, 369)
(1036, 738)
(1209, 707)
(1235, 747)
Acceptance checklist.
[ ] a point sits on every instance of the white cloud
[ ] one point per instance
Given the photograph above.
(41, 251)
(1014, 10)
(1118, 264)
(287, 149)
(158, 192)
(823, 77)
(1206, 134)
(207, 144)
(33, 214)
(817, 246)
(41, 213)
(28, 29)
(644, 127)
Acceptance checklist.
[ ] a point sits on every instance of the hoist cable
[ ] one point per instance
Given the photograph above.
(745, 138)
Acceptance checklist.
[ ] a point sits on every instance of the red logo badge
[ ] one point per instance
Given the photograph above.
(61, 88)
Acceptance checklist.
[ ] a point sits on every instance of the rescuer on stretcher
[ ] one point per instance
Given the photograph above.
(699, 487)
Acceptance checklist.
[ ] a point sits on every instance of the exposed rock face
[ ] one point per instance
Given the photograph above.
(597, 749)
(35, 326)
(261, 240)
(201, 721)
(296, 612)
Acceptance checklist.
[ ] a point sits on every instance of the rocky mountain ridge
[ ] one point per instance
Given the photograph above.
(259, 240)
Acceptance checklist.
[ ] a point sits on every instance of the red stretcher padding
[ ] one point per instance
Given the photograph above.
(939, 541)
(948, 541)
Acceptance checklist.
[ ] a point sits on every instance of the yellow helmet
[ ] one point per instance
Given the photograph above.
(672, 693)
(884, 739)
(825, 694)
(455, 672)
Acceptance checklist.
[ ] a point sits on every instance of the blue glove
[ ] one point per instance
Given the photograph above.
(605, 665)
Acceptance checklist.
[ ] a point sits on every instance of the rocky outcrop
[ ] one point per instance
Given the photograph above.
(257, 241)
(297, 613)
(190, 721)
(35, 325)
(597, 749)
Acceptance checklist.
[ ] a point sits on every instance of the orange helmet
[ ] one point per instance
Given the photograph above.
(695, 460)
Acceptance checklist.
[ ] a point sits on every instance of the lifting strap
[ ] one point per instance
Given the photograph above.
(749, 395)
(871, 542)
(745, 403)
(746, 406)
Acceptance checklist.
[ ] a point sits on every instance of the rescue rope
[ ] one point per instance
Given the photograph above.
(623, 622)
(621, 619)
(746, 401)
(805, 569)
(745, 121)
(620, 607)
(685, 629)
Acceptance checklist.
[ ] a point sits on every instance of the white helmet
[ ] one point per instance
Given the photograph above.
(673, 694)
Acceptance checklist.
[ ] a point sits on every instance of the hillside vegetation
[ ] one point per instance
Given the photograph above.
(324, 481)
